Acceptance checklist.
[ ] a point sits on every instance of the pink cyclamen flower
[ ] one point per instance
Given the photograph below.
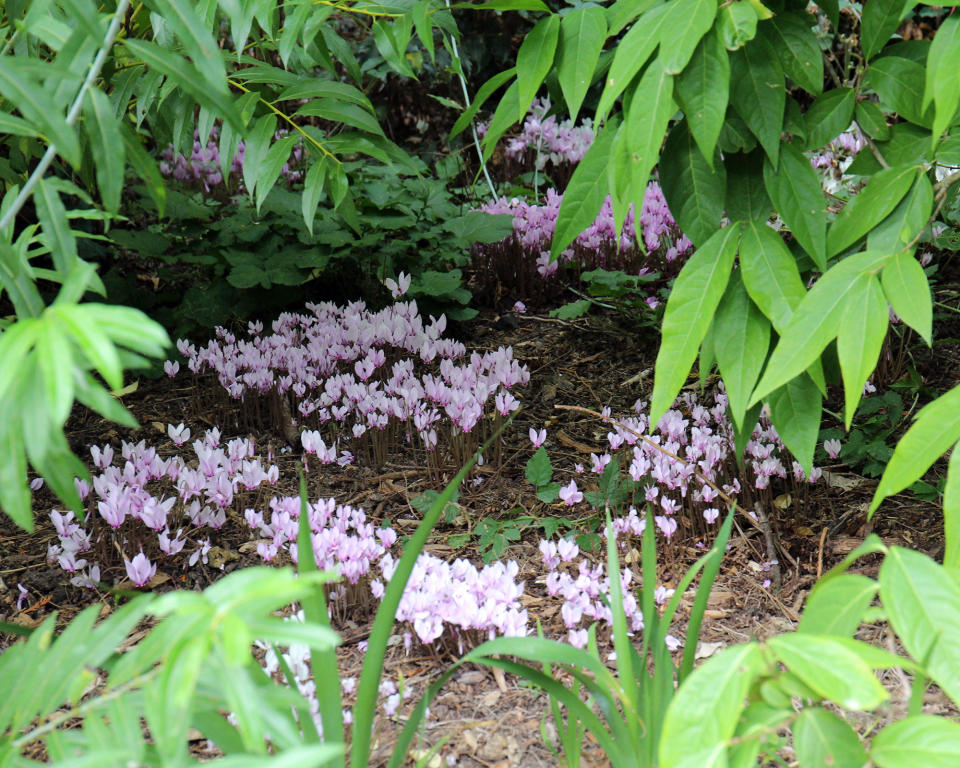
(538, 438)
(832, 447)
(140, 570)
(36, 484)
(179, 434)
(599, 462)
(399, 286)
(710, 514)
(171, 367)
(23, 595)
(519, 307)
(570, 495)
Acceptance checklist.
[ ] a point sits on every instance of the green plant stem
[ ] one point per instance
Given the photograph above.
(466, 98)
(72, 114)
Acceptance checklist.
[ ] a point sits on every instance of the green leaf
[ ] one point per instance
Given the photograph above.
(872, 120)
(631, 54)
(313, 191)
(586, 191)
(485, 92)
(703, 89)
(737, 25)
(622, 12)
(935, 430)
(927, 740)
(694, 192)
(816, 321)
(741, 338)
(689, 21)
(257, 145)
(770, 274)
(393, 46)
(56, 228)
(941, 84)
(874, 203)
(907, 220)
(15, 497)
(949, 152)
(861, 335)
(185, 76)
(145, 167)
(831, 669)
(539, 471)
(106, 145)
(747, 198)
(795, 410)
(758, 93)
(951, 512)
(271, 165)
(16, 126)
(689, 312)
(823, 738)
(704, 713)
(798, 197)
(879, 21)
(534, 60)
(336, 111)
(582, 35)
(196, 38)
(317, 88)
(836, 606)
(504, 116)
(907, 145)
(480, 227)
(897, 82)
(923, 605)
(829, 116)
(792, 37)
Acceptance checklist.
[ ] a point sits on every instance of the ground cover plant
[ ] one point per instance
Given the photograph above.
(760, 190)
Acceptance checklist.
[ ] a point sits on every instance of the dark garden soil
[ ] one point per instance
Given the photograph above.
(485, 719)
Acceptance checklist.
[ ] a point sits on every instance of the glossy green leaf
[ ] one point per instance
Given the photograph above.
(908, 145)
(942, 83)
(934, 431)
(923, 605)
(829, 116)
(632, 53)
(758, 93)
(688, 21)
(582, 35)
(741, 337)
(927, 740)
(898, 82)
(106, 146)
(197, 41)
(689, 312)
(313, 191)
(534, 60)
(704, 713)
(817, 320)
(392, 40)
(830, 669)
(337, 112)
(737, 25)
(421, 23)
(586, 191)
(798, 197)
(695, 193)
(951, 512)
(949, 151)
(272, 164)
(837, 606)
(770, 274)
(256, 148)
(56, 227)
(822, 738)
(871, 119)
(795, 410)
(879, 21)
(860, 338)
(871, 206)
(317, 88)
(703, 89)
(622, 12)
(906, 221)
(485, 92)
(747, 198)
(792, 37)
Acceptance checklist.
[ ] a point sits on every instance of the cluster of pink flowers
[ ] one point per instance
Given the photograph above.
(161, 494)
(203, 168)
(551, 141)
(841, 149)
(358, 369)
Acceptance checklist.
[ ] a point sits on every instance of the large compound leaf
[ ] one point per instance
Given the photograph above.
(791, 35)
(942, 82)
(923, 605)
(798, 197)
(694, 192)
(770, 273)
(862, 331)
(741, 337)
(935, 430)
(582, 34)
(927, 740)
(534, 60)
(586, 191)
(703, 89)
(689, 312)
(758, 93)
(870, 207)
(817, 320)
